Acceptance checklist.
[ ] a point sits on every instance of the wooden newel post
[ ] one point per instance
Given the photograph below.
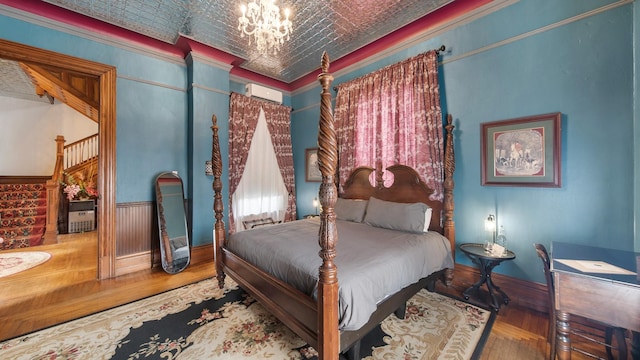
(53, 194)
(219, 232)
(328, 335)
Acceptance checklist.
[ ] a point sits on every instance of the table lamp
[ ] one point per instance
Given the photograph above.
(490, 227)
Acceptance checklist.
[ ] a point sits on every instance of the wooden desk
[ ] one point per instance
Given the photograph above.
(609, 298)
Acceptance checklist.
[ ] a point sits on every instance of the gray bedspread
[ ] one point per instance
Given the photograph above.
(373, 263)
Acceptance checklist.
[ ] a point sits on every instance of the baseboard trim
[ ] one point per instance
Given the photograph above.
(523, 293)
(202, 254)
(131, 263)
(144, 260)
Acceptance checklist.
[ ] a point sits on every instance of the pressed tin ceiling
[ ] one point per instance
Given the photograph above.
(339, 27)
(15, 83)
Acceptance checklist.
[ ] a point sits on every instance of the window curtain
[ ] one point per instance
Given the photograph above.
(393, 116)
(243, 119)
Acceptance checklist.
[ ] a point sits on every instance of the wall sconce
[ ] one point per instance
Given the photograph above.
(208, 168)
(315, 204)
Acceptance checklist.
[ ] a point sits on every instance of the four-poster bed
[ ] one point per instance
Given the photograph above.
(316, 315)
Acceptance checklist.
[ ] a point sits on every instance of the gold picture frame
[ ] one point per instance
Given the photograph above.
(312, 171)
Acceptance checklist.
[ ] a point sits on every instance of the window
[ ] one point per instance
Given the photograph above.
(261, 192)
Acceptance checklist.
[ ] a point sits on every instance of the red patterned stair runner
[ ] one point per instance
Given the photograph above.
(23, 211)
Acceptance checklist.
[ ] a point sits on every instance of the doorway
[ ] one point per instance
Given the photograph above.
(106, 136)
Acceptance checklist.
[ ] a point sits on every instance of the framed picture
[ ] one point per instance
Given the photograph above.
(522, 152)
(311, 162)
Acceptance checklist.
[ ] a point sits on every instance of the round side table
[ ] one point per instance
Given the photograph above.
(486, 261)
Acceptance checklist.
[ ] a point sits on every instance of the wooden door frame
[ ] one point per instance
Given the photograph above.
(107, 138)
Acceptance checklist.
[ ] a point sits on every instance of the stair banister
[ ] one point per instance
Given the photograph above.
(53, 194)
(81, 151)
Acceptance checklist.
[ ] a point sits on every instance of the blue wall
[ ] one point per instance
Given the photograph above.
(533, 57)
(304, 130)
(153, 127)
(164, 109)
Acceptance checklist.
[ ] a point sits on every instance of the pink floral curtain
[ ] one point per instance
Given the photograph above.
(393, 116)
(243, 118)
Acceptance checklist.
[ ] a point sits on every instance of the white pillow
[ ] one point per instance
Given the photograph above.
(427, 218)
(411, 217)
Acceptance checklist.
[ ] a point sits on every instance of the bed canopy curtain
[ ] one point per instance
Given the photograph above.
(393, 116)
(243, 119)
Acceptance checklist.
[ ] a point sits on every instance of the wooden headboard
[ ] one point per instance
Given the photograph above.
(407, 187)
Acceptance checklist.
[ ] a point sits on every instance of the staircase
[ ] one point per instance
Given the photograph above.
(29, 206)
(23, 215)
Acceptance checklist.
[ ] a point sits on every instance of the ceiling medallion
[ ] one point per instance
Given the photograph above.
(261, 20)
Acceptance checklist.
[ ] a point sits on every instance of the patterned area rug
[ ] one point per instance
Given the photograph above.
(15, 262)
(200, 321)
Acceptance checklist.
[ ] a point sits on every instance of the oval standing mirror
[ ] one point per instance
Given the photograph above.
(172, 223)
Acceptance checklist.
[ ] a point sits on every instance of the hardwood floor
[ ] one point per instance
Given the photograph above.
(65, 288)
(521, 333)
(517, 333)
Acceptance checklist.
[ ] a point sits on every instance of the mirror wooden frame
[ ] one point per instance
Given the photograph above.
(173, 229)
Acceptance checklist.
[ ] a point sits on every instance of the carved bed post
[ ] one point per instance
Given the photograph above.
(219, 232)
(328, 335)
(448, 205)
(449, 168)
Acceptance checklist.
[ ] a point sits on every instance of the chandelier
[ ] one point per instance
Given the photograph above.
(261, 19)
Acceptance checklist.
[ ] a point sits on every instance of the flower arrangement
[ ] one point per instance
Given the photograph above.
(82, 187)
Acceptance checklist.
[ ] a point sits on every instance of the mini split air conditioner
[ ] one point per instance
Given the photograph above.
(262, 92)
